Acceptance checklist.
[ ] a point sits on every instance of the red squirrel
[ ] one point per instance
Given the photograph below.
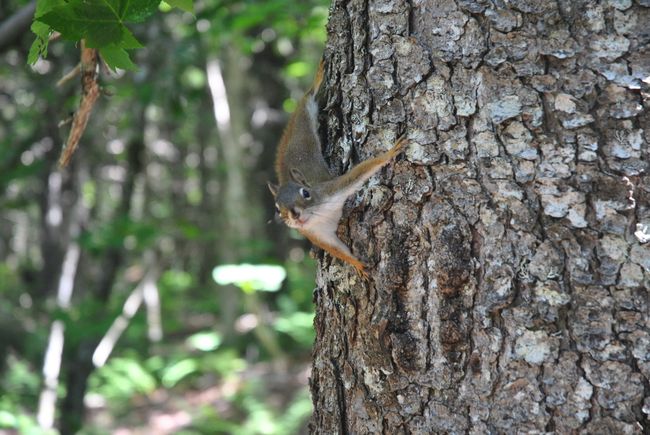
(308, 197)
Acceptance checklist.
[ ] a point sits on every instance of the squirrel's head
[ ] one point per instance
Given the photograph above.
(294, 199)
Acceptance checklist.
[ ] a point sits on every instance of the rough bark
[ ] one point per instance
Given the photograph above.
(509, 261)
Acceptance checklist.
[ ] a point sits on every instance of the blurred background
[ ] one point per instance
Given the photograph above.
(142, 289)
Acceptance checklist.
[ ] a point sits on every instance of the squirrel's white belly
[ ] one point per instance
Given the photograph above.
(324, 218)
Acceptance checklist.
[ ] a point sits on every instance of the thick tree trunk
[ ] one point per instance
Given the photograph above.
(508, 249)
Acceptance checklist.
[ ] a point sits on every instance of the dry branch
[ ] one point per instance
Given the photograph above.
(89, 95)
(69, 75)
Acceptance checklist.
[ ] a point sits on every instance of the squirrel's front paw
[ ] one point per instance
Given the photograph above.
(400, 145)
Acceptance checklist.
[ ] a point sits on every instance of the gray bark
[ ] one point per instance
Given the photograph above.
(508, 249)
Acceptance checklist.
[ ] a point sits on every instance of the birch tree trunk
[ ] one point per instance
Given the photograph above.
(509, 248)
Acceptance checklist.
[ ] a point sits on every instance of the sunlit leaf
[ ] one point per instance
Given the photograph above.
(176, 280)
(250, 277)
(176, 372)
(7, 419)
(205, 341)
(298, 69)
(184, 5)
(141, 380)
(194, 78)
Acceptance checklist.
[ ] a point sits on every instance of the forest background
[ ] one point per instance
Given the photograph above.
(116, 310)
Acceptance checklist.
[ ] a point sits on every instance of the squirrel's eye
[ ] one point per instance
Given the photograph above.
(277, 209)
(305, 193)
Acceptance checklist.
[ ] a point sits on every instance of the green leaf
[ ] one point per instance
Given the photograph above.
(39, 46)
(75, 21)
(136, 11)
(174, 373)
(43, 6)
(99, 22)
(184, 5)
(41, 30)
(128, 40)
(116, 57)
(37, 49)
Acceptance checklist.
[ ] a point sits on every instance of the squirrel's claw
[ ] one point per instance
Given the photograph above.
(361, 271)
(399, 145)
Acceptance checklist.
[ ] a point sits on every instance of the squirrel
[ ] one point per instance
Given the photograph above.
(308, 197)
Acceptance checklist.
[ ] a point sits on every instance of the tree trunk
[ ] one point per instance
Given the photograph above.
(508, 250)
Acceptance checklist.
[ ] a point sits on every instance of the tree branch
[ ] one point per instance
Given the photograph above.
(89, 95)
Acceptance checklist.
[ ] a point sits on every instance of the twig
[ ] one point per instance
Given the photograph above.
(65, 121)
(89, 95)
(69, 75)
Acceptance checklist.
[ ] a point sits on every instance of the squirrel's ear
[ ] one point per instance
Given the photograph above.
(298, 177)
(273, 188)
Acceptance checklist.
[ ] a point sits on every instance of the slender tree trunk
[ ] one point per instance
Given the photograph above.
(508, 249)
(79, 362)
(242, 216)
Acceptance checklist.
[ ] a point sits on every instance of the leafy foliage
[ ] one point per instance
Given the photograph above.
(175, 216)
(20, 386)
(101, 23)
(42, 30)
(119, 232)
